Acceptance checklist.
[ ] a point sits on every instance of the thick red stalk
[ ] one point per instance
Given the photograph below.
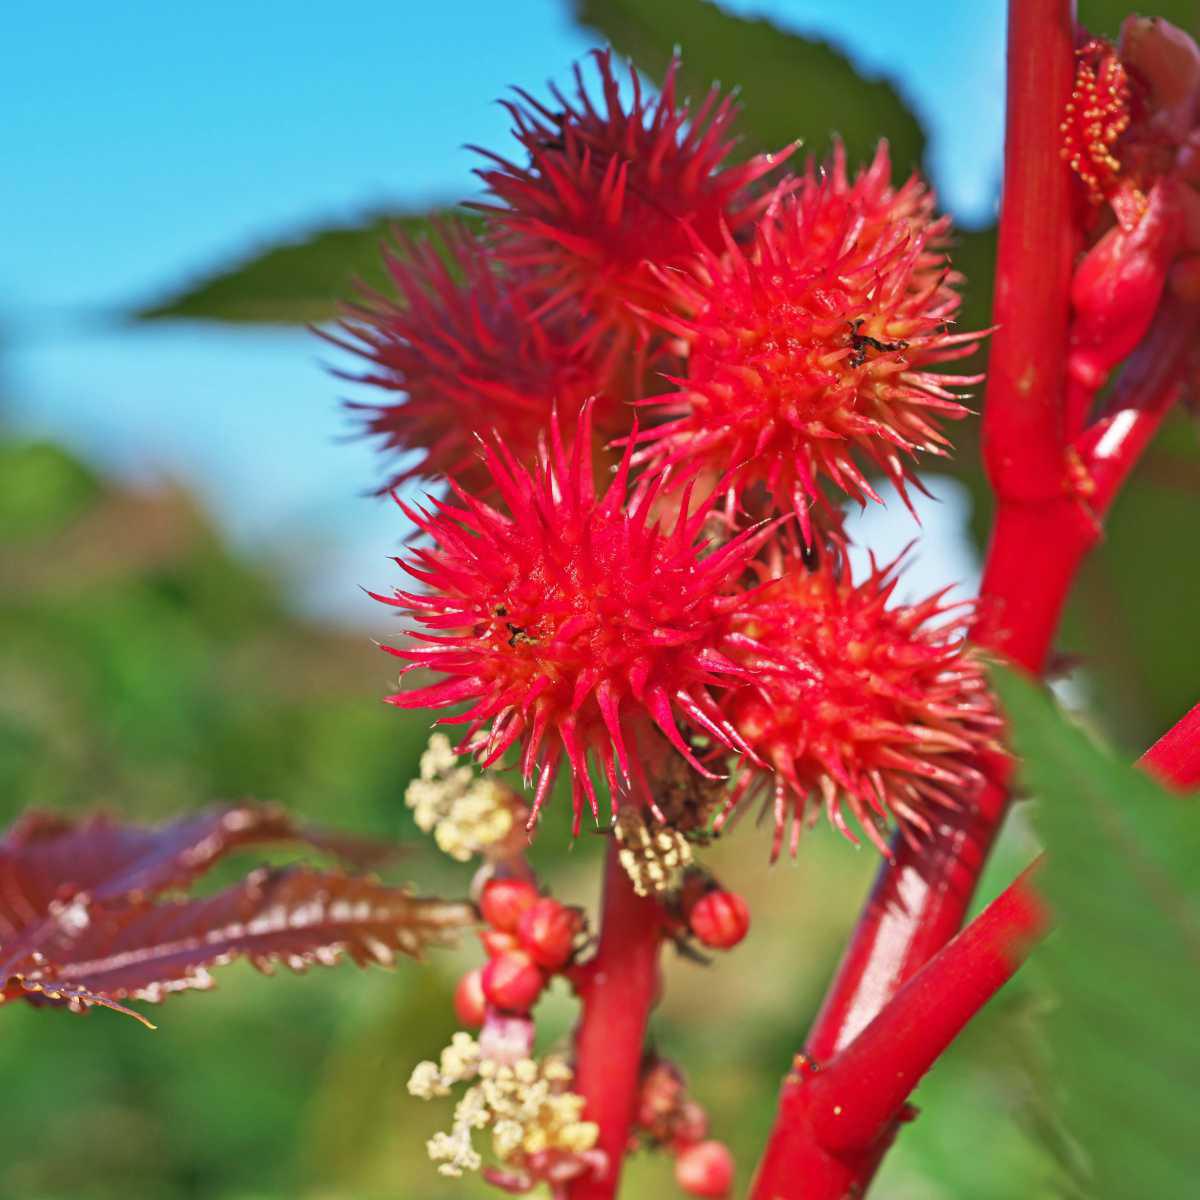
(1024, 433)
(618, 988)
(849, 1108)
(1175, 757)
(863, 1089)
(1048, 517)
(920, 898)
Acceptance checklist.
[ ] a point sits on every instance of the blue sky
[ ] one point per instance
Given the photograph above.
(147, 143)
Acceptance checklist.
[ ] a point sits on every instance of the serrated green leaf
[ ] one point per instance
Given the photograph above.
(792, 87)
(297, 282)
(1125, 961)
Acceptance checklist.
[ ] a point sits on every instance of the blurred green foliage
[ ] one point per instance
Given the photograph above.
(769, 67)
(300, 281)
(1124, 962)
(1105, 16)
(143, 666)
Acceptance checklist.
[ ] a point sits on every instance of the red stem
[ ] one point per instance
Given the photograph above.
(1023, 427)
(920, 898)
(1051, 498)
(863, 1089)
(847, 1112)
(618, 988)
(1175, 757)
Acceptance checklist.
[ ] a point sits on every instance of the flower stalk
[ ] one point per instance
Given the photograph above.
(851, 1107)
(845, 1112)
(1175, 757)
(618, 988)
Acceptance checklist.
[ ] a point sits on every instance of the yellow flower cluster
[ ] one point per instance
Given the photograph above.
(527, 1105)
(654, 859)
(466, 814)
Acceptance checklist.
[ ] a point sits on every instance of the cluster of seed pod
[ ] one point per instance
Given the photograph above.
(803, 322)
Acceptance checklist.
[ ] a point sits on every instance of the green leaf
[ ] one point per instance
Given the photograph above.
(299, 281)
(41, 490)
(1125, 960)
(792, 87)
(1105, 16)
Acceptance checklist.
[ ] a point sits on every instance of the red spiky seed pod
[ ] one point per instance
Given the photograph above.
(548, 931)
(470, 1003)
(818, 340)
(464, 355)
(705, 1169)
(611, 188)
(873, 709)
(720, 919)
(572, 625)
(505, 901)
(512, 981)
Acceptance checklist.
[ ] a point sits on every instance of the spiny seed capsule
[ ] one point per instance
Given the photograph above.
(610, 186)
(574, 626)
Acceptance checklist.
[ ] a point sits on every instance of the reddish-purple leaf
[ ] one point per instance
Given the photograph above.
(47, 857)
(84, 920)
(77, 999)
(294, 916)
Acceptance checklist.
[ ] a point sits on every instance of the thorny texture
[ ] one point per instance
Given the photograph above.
(572, 625)
(819, 340)
(465, 355)
(864, 705)
(89, 912)
(609, 190)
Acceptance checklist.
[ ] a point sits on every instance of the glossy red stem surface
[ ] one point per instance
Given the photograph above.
(850, 1108)
(1023, 424)
(1040, 533)
(618, 988)
(1175, 757)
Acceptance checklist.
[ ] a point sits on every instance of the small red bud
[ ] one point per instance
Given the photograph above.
(547, 932)
(495, 942)
(1118, 285)
(705, 1169)
(470, 1004)
(504, 900)
(720, 919)
(512, 981)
